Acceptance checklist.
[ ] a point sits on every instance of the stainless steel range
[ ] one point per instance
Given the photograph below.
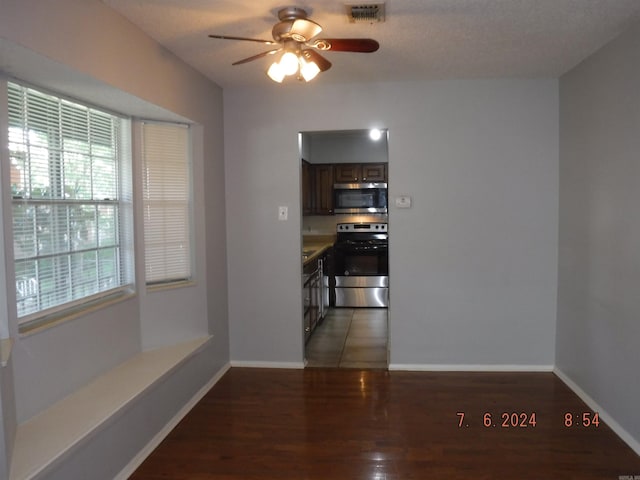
(362, 265)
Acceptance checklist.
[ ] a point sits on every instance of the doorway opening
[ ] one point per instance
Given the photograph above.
(344, 184)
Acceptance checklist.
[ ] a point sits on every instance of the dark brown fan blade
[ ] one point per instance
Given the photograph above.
(255, 57)
(313, 56)
(228, 37)
(365, 45)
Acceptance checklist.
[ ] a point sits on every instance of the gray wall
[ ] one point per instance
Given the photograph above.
(344, 147)
(599, 254)
(473, 263)
(85, 49)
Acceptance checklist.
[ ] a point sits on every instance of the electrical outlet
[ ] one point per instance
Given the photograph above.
(283, 213)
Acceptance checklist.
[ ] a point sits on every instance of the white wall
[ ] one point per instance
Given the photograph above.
(83, 48)
(473, 263)
(599, 255)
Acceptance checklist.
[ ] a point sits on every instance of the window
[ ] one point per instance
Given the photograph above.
(166, 202)
(71, 190)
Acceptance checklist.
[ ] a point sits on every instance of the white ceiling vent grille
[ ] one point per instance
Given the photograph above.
(366, 13)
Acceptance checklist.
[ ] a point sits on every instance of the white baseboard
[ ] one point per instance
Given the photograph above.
(162, 434)
(594, 406)
(437, 367)
(256, 364)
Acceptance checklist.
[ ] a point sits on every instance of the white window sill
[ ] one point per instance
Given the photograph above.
(64, 426)
(160, 287)
(48, 321)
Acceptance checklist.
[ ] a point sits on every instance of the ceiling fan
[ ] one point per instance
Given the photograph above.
(297, 51)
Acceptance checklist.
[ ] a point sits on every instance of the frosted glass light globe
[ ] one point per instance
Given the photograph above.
(289, 63)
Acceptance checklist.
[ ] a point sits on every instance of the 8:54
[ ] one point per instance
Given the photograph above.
(585, 419)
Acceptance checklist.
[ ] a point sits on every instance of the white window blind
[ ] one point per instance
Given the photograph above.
(167, 202)
(69, 234)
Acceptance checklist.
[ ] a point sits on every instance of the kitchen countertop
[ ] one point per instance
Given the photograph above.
(316, 245)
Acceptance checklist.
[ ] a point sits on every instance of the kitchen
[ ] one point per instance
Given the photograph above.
(345, 248)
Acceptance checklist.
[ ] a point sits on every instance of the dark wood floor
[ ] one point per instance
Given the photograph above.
(372, 424)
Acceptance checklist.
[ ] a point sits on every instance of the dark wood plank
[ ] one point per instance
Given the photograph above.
(348, 424)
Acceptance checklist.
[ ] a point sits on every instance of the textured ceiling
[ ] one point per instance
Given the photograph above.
(420, 39)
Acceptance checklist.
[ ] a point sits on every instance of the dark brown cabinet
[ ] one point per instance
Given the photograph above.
(307, 190)
(318, 285)
(360, 172)
(374, 172)
(312, 296)
(328, 281)
(322, 182)
(348, 173)
(317, 189)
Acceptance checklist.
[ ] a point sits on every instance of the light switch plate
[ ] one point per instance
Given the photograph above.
(283, 213)
(403, 201)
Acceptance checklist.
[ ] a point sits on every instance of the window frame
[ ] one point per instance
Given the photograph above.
(182, 280)
(122, 206)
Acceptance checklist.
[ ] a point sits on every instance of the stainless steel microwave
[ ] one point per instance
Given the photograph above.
(360, 197)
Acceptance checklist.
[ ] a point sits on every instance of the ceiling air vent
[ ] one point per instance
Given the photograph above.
(366, 13)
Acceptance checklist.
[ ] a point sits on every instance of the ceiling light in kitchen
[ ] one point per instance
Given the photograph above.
(375, 134)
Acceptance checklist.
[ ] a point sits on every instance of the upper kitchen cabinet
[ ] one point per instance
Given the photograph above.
(322, 182)
(307, 189)
(374, 172)
(360, 172)
(317, 189)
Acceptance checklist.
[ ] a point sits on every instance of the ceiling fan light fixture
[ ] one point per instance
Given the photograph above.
(276, 72)
(297, 55)
(302, 30)
(289, 63)
(295, 25)
(308, 70)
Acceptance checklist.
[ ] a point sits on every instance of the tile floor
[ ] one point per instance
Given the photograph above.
(350, 338)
